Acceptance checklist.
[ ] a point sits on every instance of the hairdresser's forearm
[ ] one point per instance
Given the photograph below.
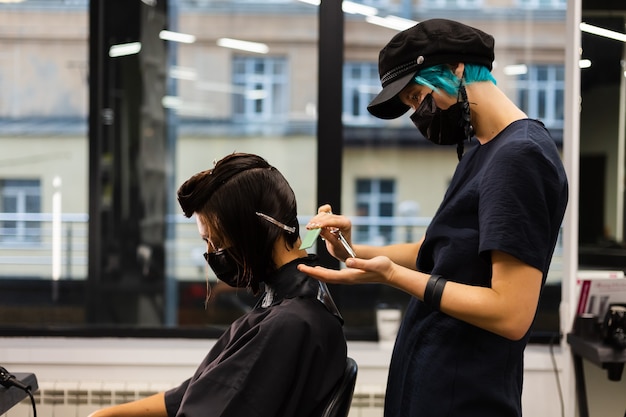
(403, 254)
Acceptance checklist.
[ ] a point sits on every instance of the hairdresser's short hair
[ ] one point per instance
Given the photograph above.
(441, 77)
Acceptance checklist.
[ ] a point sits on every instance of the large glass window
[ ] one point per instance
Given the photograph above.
(124, 130)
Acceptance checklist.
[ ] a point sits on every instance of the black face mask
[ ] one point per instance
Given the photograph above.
(444, 127)
(225, 268)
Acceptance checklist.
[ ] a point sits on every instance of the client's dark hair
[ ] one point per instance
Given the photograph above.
(229, 196)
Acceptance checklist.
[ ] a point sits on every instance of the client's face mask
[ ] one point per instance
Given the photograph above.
(225, 267)
(443, 127)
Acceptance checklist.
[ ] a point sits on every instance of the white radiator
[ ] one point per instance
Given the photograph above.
(67, 399)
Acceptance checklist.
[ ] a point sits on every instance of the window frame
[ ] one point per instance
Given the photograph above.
(362, 89)
(272, 94)
(375, 231)
(537, 96)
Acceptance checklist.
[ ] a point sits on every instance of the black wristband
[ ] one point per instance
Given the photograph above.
(430, 289)
(437, 293)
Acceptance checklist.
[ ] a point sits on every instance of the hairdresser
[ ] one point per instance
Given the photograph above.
(476, 276)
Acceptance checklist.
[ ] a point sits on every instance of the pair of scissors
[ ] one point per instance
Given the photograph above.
(344, 242)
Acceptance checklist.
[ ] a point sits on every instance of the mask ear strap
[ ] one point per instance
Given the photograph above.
(467, 121)
(459, 150)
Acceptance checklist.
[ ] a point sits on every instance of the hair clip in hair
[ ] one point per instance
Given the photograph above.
(276, 222)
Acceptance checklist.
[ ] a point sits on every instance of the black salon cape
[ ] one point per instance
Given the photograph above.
(282, 360)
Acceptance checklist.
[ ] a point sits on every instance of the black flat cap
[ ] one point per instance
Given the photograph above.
(431, 42)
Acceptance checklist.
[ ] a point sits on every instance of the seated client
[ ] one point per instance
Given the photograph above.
(282, 358)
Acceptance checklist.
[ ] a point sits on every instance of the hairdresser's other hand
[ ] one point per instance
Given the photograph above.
(330, 224)
(379, 269)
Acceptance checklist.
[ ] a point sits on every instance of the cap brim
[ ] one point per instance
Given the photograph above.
(387, 104)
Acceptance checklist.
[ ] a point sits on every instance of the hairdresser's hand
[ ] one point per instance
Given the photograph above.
(330, 225)
(359, 271)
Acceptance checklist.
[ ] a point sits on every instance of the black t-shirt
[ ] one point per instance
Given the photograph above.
(281, 360)
(508, 195)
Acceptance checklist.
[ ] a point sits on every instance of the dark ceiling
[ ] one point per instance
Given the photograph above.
(605, 54)
(604, 5)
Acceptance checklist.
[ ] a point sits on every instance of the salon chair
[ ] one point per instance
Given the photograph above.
(340, 399)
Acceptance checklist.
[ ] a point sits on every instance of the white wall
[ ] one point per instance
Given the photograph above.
(163, 363)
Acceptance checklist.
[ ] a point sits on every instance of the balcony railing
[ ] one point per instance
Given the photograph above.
(27, 246)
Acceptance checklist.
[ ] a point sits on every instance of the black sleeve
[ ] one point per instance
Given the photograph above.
(174, 397)
(514, 210)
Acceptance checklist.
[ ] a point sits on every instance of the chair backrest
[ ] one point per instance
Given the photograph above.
(340, 399)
